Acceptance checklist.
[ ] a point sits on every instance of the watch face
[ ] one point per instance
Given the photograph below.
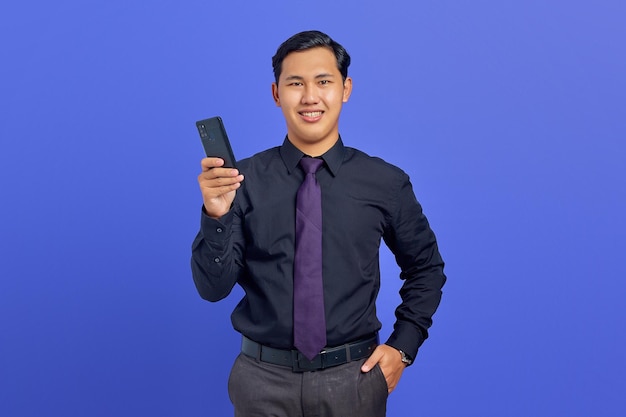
(405, 358)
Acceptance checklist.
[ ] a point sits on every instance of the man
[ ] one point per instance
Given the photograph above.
(250, 235)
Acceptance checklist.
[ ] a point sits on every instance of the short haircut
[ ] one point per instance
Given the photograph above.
(308, 40)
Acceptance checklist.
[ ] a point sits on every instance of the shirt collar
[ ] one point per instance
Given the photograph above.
(333, 157)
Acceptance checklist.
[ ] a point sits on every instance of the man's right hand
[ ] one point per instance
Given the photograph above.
(218, 186)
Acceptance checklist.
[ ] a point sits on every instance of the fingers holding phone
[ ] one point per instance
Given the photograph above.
(218, 186)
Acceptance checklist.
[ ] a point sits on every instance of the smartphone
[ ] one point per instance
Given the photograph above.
(215, 140)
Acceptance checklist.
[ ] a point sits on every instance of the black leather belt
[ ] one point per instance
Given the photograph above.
(299, 363)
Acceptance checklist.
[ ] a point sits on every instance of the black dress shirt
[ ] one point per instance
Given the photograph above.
(364, 199)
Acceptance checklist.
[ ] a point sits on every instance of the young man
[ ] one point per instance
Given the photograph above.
(250, 235)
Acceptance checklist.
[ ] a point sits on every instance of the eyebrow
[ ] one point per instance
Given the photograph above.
(299, 78)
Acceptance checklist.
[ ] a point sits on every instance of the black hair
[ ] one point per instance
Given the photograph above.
(308, 40)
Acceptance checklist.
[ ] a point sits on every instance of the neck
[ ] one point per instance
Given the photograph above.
(314, 149)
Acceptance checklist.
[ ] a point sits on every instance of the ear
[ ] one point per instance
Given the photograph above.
(275, 94)
(347, 89)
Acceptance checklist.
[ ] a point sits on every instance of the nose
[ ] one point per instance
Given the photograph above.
(310, 94)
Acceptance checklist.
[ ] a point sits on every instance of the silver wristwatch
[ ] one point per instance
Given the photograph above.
(405, 358)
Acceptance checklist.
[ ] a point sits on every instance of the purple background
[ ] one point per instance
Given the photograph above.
(509, 117)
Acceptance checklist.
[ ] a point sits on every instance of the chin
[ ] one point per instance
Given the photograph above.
(313, 134)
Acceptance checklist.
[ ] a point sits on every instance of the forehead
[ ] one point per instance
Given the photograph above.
(309, 62)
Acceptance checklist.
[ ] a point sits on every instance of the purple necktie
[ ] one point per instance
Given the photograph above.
(309, 322)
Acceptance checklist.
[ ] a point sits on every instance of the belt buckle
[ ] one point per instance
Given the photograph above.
(299, 363)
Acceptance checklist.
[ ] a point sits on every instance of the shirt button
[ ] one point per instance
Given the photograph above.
(219, 230)
(217, 260)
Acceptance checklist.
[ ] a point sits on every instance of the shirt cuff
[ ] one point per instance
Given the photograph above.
(407, 339)
(216, 230)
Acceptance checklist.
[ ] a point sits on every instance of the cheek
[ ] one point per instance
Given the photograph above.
(289, 101)
(335, 99)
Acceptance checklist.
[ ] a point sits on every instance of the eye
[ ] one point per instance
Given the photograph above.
(295, 84)
(324, 82)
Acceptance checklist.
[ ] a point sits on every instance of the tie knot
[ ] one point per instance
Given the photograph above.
(311, 165)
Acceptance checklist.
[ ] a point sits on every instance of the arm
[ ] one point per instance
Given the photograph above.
(414, 245)
(214, 257)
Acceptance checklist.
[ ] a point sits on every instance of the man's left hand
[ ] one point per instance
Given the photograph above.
(390, 361)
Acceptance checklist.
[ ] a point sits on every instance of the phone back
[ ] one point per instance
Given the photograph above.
(215, 140)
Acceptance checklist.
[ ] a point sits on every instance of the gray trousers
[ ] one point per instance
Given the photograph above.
(259, 389)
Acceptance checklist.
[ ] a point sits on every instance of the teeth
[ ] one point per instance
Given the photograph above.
(312, 113)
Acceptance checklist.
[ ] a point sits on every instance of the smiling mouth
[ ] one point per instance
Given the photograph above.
(311, 113)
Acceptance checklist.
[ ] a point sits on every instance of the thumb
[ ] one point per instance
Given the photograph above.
(372, 360)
